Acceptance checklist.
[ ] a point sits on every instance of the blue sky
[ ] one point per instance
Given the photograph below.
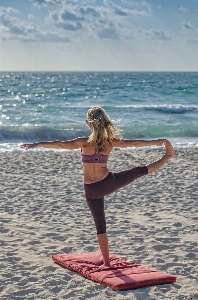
(99, 35)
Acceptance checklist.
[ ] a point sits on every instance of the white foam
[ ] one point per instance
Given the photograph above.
(16, 147)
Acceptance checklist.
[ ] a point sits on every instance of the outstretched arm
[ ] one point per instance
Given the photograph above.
(70, 145)
(138, 143)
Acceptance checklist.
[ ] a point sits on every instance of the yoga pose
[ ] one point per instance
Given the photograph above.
(98, 181)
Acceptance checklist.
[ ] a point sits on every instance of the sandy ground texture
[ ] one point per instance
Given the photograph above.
(153, 221)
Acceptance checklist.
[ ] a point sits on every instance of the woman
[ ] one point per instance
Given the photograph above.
(98, 181)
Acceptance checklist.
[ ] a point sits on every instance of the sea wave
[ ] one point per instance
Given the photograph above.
(29, 133)
(166, 131)
(166, 108)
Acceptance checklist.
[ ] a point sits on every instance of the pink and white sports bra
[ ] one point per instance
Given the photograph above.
(94, 158)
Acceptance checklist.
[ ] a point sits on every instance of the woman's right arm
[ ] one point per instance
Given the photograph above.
(70, 145)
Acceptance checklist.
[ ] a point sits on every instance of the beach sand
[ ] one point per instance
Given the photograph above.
(153, 221)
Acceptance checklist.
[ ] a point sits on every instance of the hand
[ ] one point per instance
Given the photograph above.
(160, 142)
(29, 146)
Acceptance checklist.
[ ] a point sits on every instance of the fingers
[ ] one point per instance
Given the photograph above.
(27, 146)
(160, 142)
(164, 140)
(167, 142)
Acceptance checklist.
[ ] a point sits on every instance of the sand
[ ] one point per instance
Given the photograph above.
(153, 221)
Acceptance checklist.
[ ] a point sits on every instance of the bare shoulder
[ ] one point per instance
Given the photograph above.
(118, 143)
(80, 141)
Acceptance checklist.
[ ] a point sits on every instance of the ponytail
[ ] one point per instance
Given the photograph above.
(103, 129)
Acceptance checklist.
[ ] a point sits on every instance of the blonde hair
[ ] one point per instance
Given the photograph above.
(103, 129)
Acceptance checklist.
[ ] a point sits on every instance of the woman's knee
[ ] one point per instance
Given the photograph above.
(100, 223)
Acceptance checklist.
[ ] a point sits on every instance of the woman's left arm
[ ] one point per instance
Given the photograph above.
(70, 145)
(138, 143)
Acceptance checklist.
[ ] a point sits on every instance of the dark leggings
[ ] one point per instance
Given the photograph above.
(95, 192)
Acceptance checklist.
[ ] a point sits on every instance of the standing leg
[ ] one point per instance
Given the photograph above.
(170, 153)
(96, 207)
(104, 248)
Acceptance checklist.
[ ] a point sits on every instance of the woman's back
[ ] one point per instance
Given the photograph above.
(95, 171)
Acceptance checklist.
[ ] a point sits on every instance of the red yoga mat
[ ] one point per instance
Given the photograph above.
(122, 275)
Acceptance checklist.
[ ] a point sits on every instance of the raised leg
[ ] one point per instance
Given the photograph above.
(170, 153)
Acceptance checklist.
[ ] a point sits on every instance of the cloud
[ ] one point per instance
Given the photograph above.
(45, 2)
(67, 19)
(55, 2)
(13, 25)
(51, 37)
(157, 34)
(105, 21)
(7, 10)
(13, 28)
(183, 9)
(192, 41)
(188, 26)
(109, 32)
(124, 12)
(138, 4)
(81, 2)
(31, 17)
(190, 31)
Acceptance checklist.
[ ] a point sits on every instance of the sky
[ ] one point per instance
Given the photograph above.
(98, 35)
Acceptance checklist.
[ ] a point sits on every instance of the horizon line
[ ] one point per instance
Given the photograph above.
(95, 71)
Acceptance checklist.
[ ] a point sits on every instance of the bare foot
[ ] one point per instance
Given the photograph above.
(170, 153)
(105, 265)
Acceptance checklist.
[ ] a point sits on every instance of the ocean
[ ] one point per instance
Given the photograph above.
(46, 106)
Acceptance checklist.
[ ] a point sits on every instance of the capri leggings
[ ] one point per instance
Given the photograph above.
(95, 192)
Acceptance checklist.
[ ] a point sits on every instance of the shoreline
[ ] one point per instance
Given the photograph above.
(15, 148)
(153, 221)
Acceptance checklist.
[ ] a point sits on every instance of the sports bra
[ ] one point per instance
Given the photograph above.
(94, 158)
